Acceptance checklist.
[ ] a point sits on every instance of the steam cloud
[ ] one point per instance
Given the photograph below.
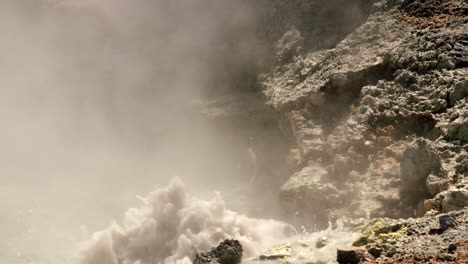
(95, 106)
(172, 225)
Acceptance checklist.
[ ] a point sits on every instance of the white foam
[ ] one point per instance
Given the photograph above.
(306, 250)
(172, 225)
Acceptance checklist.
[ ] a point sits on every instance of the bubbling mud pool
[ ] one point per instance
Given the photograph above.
(171, 225)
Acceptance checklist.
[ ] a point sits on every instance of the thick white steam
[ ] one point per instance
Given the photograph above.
(172, 225)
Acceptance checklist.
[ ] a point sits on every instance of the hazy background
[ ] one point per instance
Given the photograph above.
(97, 105)
(99, 102)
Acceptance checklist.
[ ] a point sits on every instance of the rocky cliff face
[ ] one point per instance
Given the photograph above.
(379, 121)
(284, 29)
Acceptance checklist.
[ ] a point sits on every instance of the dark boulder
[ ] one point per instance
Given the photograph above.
(446, 222)
(351, 255)
(227, 252)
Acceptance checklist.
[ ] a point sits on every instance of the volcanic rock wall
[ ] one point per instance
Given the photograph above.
(283, 29)
(380, 120)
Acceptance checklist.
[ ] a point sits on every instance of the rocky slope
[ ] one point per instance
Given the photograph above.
(422, 240)
(380, 125)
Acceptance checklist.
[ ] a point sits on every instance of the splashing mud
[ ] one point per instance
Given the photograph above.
(172, 224)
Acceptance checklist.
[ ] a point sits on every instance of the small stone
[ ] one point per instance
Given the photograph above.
(458, 130)
(280, 252)
(452, 248)
(446, 257)
(375, 251)
(406, 78)
(439, 105)
(446, 222)
(430, 204)
(390, 252)
(435, 185)
(459, 92)
(454, 199)
(227, 252)
(321, 242)
(446, 62)
(350, 255)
